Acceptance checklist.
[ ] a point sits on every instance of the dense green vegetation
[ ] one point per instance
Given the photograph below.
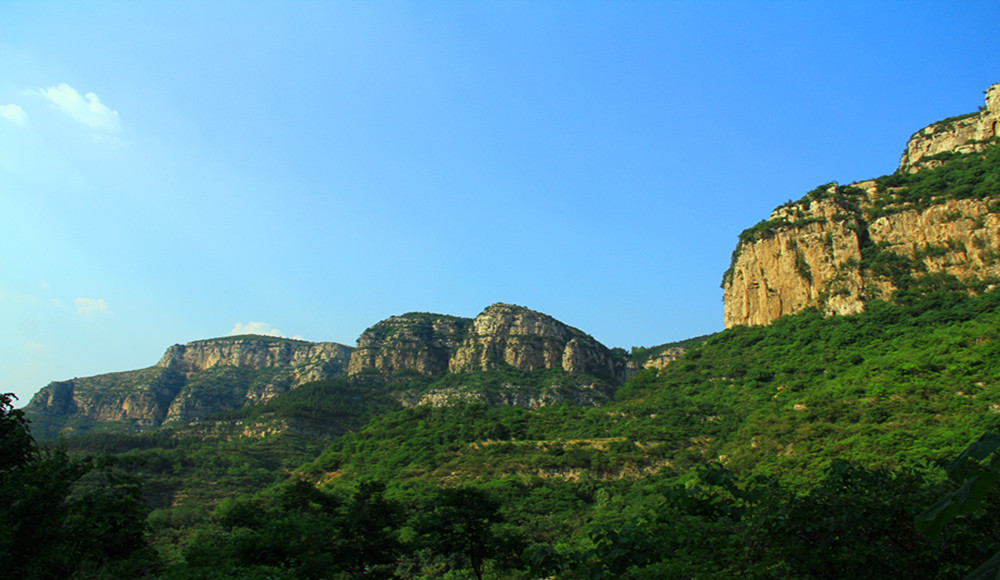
(963, 176)
(804, 449)
(816, 447)
(334, 406)
(63, 516)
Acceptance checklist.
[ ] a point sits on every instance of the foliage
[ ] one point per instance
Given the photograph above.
(62, 516)
(338, 405)
(964, 176)
(462, 522)
(802, 449)
(975, 482)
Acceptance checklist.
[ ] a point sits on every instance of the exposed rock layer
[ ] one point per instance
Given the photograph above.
(811, 253)
(503, 335)
(417, 341)
(962, 134)
(194, 380)
(526, 340)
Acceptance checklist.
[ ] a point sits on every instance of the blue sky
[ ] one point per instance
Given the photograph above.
(171, 171)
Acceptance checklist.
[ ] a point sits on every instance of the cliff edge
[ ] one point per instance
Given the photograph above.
(936, 219)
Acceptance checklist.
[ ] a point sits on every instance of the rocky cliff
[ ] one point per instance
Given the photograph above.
(305, 361)
(194, 380)
(502, 336)
(508, 335)
(419, 342)
(962, 134)
(841, 246)
(191, 381)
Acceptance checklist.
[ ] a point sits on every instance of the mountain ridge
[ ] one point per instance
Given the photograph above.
(936, 220)
(840, 247)
(204, 377)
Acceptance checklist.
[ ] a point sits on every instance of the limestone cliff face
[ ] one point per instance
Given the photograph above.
(811, 257)
(141, 397)
(503, 335)
(526, 340)
(960, 134)
(839, 247)
(417, 341)
(306, 361)
(193, 380)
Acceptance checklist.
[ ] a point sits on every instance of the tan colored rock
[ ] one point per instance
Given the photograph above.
(310, 361)
(417, 341)
(808, 254)
(959, 237)
(811, 260)
(963, 134)
(194, 380)
(505, 334)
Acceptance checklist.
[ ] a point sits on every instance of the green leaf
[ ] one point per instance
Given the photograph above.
(989, 570)
(963, 501)
(959, 469)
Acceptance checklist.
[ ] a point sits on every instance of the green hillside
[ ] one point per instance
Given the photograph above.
(757, 444)
(808, 448)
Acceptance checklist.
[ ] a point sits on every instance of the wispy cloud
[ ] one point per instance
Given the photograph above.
(14, 114)
(32, 347)
(87, 109)
(90, 306)
(261, 328)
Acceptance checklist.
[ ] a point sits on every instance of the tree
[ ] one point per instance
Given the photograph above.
(974, 476)
(62, 516)
(856, 523)
(461, 523)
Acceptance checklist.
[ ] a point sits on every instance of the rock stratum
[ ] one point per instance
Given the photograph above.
(502, 336)
(936, 219)
(192, 381)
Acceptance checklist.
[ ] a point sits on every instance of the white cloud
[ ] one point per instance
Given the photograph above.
(90, 306)
(14, 114)
(255, 328)
(87, 109)
(261, 328)
(33, 348)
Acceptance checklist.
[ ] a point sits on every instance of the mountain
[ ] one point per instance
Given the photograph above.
(417, 341)
(792, 444)
(934, 220)
(189, 382)
(202, 378)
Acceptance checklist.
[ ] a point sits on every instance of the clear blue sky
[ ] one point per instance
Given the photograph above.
(171, 171)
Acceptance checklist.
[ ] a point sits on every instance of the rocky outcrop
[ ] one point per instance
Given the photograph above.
(963, 134)
(798, 258)
(306, 361)
(840, 247)
(660, 360)
(418, 342)
(193, 380)
(514, 336)
(587, 395)
(503, 335)
(140, 397)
